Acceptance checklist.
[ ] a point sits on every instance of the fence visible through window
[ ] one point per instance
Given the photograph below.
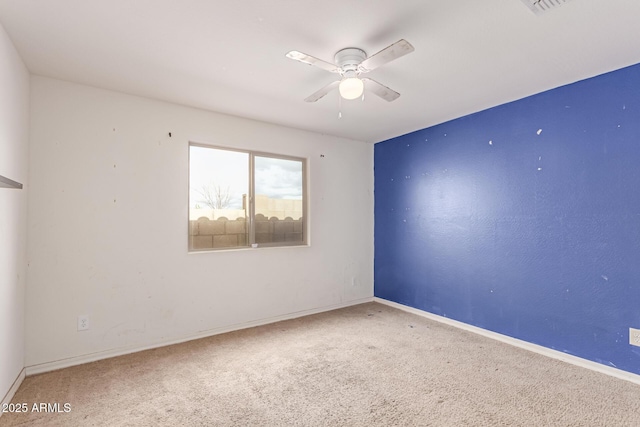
(239, 199)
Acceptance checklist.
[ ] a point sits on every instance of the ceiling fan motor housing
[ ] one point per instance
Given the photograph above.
(349, 59)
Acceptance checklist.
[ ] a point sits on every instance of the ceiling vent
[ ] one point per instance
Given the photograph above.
(540, 6)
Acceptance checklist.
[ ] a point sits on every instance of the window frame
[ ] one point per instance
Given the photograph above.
(251, 234)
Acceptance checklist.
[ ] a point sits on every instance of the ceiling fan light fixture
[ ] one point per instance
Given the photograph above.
(350, 63)
(351, 88)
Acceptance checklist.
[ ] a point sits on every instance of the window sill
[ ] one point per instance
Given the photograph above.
(247, 248)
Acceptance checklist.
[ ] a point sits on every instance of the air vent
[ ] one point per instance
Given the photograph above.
(540, 6)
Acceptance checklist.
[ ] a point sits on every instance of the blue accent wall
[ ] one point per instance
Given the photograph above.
(523, 219)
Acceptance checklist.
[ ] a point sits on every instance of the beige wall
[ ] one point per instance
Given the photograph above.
(278, 208)
(14, 151)
(108, 226)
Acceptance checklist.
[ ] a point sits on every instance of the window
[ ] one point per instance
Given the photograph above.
(243, 198)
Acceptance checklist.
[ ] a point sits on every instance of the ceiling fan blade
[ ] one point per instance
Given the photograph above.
(381, 90)
(311, 60)
(322, 92)
(388, 54)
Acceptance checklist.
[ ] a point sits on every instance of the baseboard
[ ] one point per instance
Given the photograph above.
(12, 390)
(92, 357)
(555, 354)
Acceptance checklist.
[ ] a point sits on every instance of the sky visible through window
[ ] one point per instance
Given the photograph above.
(227, 172)
(278, 178)
(222, 169)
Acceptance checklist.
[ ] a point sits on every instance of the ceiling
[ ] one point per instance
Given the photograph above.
(229, 55)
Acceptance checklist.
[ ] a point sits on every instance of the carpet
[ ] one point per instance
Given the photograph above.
(366, 365)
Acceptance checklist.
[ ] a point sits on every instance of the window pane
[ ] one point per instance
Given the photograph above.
(218, 189)
(278, 200)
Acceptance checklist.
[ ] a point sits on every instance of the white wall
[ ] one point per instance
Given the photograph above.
(14, 144)
(108, 226)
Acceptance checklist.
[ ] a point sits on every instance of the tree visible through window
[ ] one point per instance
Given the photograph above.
(242, 198)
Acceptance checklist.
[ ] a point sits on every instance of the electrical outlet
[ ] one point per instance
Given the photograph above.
(83, 322)
(634, 336)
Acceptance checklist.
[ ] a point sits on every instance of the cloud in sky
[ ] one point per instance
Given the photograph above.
(278, 178)
(274, 177)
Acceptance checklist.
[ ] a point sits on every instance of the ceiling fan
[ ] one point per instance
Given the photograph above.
(350, 63)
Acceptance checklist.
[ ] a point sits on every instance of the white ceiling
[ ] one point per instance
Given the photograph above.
(229, 55)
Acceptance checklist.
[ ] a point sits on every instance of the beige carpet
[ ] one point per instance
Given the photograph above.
(368, 365)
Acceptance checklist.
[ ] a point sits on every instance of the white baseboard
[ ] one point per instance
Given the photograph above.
(555, 354)
(86, 358)
(14, 387)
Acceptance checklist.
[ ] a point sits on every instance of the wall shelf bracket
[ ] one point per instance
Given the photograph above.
(8, 183)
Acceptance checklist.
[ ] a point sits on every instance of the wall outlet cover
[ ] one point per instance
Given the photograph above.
(83, 322)
(634, 336)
